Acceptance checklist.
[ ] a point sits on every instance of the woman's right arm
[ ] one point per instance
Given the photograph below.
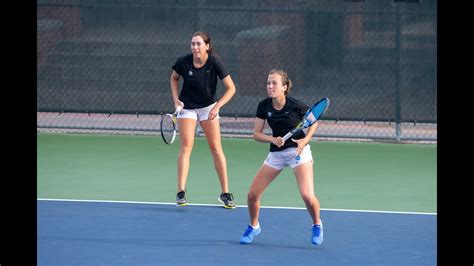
(174, 82)
(258, 134)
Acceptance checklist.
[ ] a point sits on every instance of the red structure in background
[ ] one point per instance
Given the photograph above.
(53, 25)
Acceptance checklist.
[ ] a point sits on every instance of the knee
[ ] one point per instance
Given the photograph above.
(252, 197)
(308, 199)
(216, 150)
(186, 149)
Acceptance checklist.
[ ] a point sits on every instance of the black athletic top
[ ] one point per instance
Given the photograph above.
(199, 86)
(284, 120)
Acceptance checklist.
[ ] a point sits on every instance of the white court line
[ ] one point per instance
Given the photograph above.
(242, 206)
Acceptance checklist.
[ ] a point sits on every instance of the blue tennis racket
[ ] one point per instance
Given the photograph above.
(311, 116)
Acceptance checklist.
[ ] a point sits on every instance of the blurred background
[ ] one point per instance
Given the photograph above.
(103, 66)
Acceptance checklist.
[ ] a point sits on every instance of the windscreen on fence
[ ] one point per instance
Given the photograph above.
(375, 60)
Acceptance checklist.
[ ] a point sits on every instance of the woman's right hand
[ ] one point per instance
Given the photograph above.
(278, 141)
(178, 103)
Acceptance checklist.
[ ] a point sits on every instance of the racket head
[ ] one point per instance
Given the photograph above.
(168, 128)
(311, 116)
(316, 111)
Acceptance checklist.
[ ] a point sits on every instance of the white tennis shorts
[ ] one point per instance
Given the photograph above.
(199, 114)
(288, 157)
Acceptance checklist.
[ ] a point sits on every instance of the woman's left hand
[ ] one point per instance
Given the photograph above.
(301, 144)
(213, 113)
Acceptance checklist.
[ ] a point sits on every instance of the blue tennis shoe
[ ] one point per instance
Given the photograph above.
(249, 234)
(317, 234)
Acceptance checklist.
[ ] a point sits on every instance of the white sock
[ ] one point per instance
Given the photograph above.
(257, 226)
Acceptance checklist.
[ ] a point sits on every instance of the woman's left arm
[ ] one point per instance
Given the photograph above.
(311, 130)
(229, 93)
(309, 135)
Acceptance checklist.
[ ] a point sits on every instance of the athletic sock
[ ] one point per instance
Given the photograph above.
(257, 226)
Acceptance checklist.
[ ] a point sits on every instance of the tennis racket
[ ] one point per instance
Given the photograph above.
(311, 116)
(168, 126)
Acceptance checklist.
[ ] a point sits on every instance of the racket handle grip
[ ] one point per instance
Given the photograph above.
(287, 136)
(178, 109)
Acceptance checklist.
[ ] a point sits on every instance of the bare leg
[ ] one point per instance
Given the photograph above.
(212, 131)
(186, 135)
(262, 179)
(305, 179)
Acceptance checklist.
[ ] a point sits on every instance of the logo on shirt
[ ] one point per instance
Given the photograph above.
(190, 73)
(269, 114)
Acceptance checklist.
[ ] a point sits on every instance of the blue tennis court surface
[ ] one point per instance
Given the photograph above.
(111, 233)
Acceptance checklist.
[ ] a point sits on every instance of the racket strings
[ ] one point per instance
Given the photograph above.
(168, 128)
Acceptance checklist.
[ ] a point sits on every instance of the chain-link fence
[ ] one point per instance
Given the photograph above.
(105, 65)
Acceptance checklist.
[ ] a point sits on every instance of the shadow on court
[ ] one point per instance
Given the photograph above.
(101, 233)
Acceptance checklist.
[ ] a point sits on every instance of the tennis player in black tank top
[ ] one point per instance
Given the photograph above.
(283, 113)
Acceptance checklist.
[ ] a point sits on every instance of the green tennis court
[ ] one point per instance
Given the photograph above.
(348, 175)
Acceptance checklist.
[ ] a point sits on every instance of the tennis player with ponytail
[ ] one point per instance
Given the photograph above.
(200, 70)
(283, 113)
